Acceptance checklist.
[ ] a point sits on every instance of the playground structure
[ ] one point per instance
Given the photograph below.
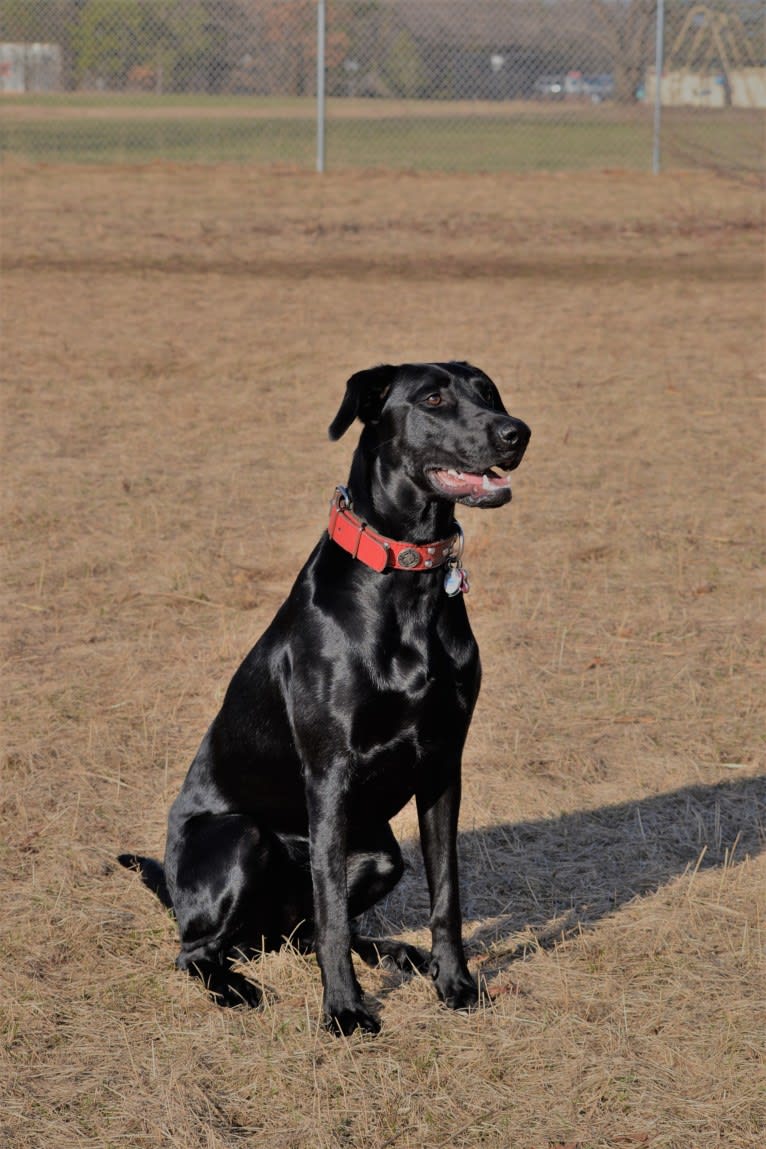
(710, 65)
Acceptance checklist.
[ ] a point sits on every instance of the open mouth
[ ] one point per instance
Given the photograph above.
(492, 485)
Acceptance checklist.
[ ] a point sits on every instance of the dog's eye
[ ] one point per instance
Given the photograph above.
(433, 400)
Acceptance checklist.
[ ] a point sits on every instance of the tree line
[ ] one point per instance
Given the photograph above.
(404, 48)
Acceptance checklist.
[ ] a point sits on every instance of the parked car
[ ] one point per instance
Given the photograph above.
(598, 88)
(575, 85)
(550, 87)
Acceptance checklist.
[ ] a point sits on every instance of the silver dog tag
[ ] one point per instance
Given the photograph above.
(453, 580)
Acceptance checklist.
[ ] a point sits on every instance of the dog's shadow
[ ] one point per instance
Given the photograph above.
(530, 884)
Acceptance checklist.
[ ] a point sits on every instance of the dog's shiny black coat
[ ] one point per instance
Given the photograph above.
(356, 698)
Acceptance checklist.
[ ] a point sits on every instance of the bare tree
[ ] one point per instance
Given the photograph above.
(624, 29)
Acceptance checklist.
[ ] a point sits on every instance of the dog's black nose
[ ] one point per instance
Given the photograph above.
(513, 433)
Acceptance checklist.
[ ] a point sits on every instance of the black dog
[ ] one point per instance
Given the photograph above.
(357, 697)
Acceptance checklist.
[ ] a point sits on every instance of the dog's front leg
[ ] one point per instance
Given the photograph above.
(438, 801)
(343, 1008)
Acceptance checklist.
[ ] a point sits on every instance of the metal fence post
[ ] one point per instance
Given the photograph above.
(321, 17)
(659, 53)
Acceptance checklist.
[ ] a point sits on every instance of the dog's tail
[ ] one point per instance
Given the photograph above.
(152, 875)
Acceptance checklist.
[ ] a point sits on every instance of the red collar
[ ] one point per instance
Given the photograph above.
(377, 551)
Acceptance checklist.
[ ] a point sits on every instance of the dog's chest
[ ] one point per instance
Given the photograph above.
(399, 729)
(416, 698)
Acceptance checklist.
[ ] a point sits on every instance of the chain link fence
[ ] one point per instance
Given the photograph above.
(440, 84)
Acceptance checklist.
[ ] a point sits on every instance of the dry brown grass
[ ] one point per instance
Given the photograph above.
(93, 106)
(176, 341)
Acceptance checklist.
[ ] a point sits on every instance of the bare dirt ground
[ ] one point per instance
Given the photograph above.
(146, 106)
(175, 343)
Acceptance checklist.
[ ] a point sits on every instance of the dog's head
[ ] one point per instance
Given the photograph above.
(443, 424)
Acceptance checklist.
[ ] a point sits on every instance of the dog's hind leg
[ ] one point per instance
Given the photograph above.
(226, 878)
(378, 951)
(371, 874)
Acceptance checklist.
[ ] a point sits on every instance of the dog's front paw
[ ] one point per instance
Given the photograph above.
(456, 989)
(346, 1019)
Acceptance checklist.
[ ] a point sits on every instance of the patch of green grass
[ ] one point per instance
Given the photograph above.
(430, 144)
(138, 141)
(485, 144)
(577, 139)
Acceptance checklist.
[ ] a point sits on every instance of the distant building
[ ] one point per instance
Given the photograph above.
(30, 68)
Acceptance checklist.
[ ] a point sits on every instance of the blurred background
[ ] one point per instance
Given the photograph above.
(493, 85)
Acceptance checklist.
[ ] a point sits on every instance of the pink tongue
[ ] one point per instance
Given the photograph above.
(465, 482)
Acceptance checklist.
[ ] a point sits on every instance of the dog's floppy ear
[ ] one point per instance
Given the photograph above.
(365, 394)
